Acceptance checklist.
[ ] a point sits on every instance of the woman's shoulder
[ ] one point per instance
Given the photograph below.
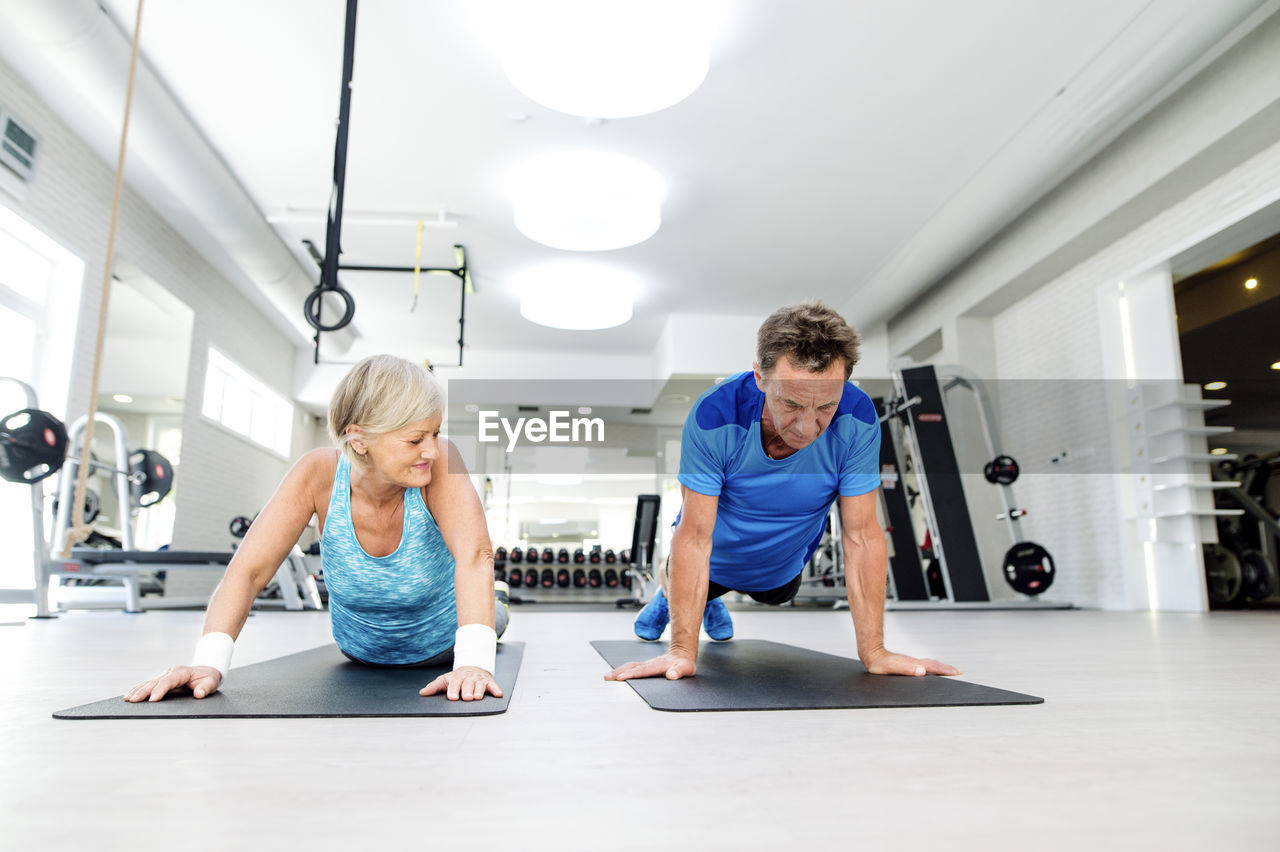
(318, 466)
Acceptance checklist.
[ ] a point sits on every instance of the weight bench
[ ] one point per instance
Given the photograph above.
(297, 586)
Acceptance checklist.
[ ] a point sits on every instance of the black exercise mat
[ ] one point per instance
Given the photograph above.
(319, 682)
(750, 674)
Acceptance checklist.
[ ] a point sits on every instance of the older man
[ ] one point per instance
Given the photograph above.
(763, 456)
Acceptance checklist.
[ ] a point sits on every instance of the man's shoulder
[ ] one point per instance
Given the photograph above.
(857, 405)
(732, 402)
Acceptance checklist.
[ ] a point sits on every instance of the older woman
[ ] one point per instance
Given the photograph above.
(404, 545)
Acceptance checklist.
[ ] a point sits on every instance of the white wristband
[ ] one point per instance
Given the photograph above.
(475, 645)
(214, 649)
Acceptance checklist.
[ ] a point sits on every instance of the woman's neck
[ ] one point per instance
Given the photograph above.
(374, 490)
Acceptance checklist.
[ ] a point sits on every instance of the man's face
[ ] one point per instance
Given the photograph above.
(799, 404)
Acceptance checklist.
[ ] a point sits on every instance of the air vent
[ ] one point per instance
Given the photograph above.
(17, 146)
(642, 411)
(527, 409)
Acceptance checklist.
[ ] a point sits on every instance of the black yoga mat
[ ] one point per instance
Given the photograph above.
(750, 674)
(319, 682)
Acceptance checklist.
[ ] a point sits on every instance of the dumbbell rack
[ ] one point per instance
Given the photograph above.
(579, 588)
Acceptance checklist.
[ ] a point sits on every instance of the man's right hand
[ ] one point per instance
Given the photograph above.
(672, 666)
(201, 680)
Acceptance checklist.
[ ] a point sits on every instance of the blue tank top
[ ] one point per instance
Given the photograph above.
(392, 609)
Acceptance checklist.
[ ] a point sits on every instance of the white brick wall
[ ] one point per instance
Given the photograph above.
(222, 475)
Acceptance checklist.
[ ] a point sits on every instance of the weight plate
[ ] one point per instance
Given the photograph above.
(1028, 568)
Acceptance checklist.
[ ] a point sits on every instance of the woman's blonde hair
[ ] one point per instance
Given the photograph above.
(381, 394)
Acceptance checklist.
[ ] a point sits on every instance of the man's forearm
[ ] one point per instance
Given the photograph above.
(688, 573)
(865, 566)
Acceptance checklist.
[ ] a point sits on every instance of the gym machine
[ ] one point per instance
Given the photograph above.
(1241, 568)
(31, 441)
(33, 447)
(644, 535)
(823, 576)
(919, 468)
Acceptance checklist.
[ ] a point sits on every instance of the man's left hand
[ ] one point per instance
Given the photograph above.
(889, 663)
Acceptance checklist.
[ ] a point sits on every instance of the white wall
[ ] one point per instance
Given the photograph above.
(70, 199)
(873, 356)
(1204, 159)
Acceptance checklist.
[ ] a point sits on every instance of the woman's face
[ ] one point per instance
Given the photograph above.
(405, 456)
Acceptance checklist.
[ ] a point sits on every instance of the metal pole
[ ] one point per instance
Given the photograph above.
(333, 224)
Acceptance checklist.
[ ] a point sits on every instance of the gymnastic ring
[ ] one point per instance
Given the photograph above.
(311, 308)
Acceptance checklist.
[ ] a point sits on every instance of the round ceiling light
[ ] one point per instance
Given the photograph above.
(576, 296)
(613, 59)
(587, 200)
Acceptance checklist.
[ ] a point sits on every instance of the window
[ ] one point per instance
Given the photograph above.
(245, 405)
(39, 309)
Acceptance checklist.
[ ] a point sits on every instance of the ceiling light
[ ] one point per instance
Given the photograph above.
(587, 200)
(1218, 451)
(584, 409)
(1251, 283)
(1212, 386)
(471, 408)
(576, 296)
(617, 59)
(123, 398)
(1276, 365)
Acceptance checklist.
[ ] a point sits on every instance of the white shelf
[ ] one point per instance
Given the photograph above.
(1208, 486)
(1196, 457)
(1205, 513)
(1195, 430)
(1200, 404)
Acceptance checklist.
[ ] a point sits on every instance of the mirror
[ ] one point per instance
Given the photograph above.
(143, 383)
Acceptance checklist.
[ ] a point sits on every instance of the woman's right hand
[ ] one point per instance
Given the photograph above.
(201, 680)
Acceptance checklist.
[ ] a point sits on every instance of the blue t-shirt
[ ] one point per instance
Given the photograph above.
(393, 609)
(772, 512)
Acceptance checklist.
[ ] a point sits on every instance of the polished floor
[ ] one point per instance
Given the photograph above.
(1157, 732)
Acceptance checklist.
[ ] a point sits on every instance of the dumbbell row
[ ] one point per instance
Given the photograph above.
(548, 578)
(518, 556)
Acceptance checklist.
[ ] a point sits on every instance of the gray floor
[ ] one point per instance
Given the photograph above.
(1158, 732)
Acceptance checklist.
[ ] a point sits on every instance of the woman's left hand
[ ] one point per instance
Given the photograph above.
(470, 683)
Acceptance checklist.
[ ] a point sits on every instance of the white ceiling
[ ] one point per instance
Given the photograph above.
(851, 151)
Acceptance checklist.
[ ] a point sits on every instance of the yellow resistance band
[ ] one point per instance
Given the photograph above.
(417, 267)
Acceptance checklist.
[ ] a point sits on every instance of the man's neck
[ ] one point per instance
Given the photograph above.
(774, 447)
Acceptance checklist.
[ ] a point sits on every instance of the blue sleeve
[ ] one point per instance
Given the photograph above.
(701, 466)
(860, 473)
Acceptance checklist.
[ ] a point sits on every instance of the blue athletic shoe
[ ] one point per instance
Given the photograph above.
(653, 619)
(716, 620)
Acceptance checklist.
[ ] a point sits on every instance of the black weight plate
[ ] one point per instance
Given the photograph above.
(1028, 568)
